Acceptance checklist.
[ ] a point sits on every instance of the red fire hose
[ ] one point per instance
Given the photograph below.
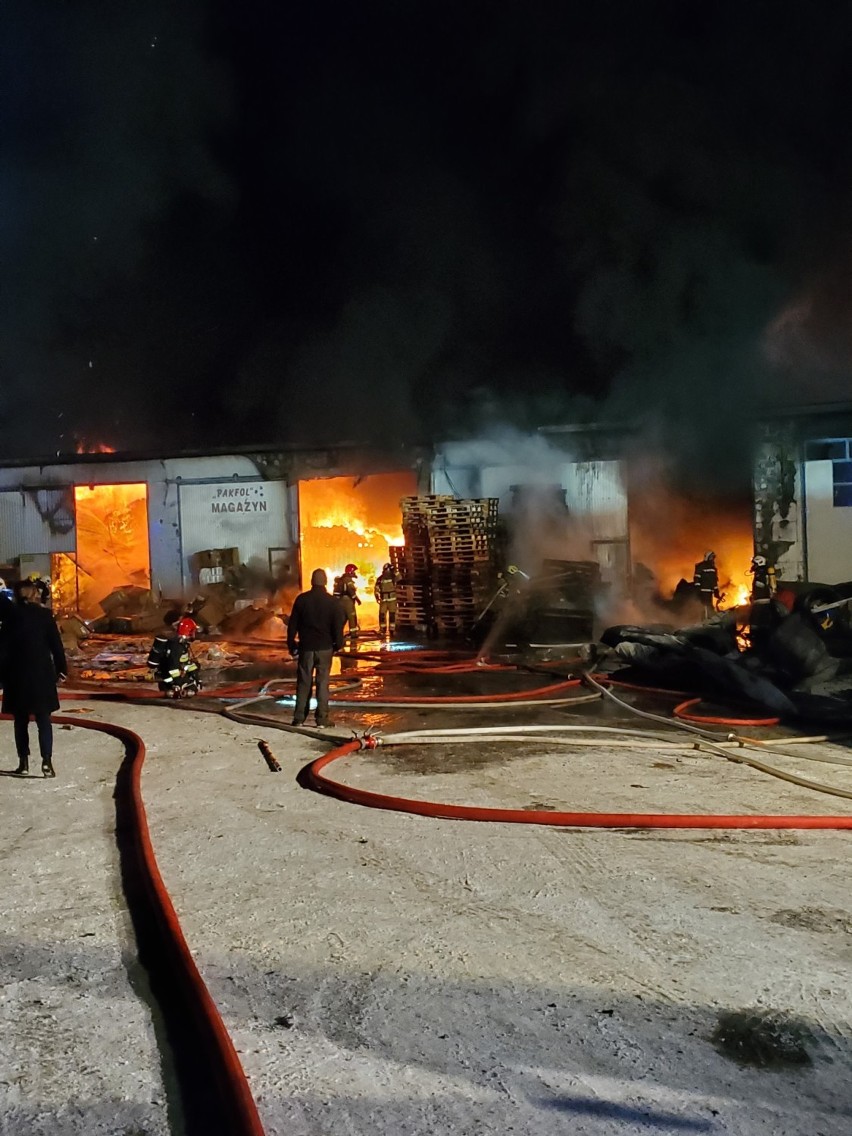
(680, 711)
(241, 1118)
(438, 809)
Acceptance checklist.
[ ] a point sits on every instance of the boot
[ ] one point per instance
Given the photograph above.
(47, 769)
(23, 766)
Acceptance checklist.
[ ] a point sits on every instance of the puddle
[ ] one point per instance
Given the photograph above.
(439, 759)
(761, 1039)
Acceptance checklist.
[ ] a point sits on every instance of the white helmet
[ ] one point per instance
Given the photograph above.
(759, 561)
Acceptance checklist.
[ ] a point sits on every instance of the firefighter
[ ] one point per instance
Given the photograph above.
(706, 583)
(764, 583)
(171, 659)
(346, 591)
(385, 593)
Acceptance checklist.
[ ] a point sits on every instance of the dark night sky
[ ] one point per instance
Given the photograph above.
(232, 223)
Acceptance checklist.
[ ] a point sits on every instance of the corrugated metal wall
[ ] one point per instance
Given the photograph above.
(594, 491)
(251, 515)
(36, 521)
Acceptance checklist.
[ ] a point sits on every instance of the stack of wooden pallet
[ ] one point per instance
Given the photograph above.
(449, 562)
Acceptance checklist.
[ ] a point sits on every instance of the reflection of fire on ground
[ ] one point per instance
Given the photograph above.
(346, 520)
(669, 534)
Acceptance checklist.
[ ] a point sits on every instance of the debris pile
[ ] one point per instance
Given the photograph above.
(232, 600)
(797, 664)
(131, 610)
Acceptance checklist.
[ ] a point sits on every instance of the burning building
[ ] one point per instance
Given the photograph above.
(247, 528)
(235, 527)
(355, 520)
(641, 527)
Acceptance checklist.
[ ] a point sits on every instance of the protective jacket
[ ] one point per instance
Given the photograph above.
(174, 665)
(385, 590)
(706, 577)
(316, 622)
(344, 585)
(31, 659)
(764, 584)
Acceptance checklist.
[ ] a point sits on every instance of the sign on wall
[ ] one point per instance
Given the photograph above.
(252, 516)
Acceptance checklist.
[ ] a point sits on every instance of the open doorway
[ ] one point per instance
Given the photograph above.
(112, 545)
(354, 520)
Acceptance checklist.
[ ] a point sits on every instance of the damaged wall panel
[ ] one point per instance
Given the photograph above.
(777, 486)
(35, 520)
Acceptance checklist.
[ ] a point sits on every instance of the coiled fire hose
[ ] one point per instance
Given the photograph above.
(234, 1104)
(710, 741)
(322, 783)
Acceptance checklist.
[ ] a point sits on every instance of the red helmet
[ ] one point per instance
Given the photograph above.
(351, 570)
(186, 627)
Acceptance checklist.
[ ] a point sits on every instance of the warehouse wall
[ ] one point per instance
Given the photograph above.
(26, 492)
(829, 527)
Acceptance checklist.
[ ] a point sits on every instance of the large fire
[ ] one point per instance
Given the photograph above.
(346, 520)
(669, 534)
(112, 541)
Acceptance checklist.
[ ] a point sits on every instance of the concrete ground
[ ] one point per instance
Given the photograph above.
(387, 973)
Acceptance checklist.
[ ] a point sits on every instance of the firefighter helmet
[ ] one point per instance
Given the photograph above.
(350, 570)
(387, 567)
(759, 561)
(710, 555)
(186, 627)
(40, 585)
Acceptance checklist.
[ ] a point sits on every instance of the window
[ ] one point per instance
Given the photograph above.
(839, 452)
(834, 449)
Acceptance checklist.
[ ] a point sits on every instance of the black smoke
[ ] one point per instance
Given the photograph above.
(230, 224)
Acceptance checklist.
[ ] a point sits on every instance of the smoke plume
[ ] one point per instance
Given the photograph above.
(232, 224)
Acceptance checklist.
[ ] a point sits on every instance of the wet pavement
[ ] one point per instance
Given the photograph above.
(369, 672)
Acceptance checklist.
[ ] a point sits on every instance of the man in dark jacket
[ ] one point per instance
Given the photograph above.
(314, 633)
(33, 661)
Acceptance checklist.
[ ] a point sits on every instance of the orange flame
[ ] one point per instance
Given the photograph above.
(346, 520)
(85, 447)
(670, 532)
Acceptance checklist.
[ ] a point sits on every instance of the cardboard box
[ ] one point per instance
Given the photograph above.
(212, 613)
(151, 621)
(116, 599)
(128, 600)
(72, 629)
(208, 558)
(208, 576)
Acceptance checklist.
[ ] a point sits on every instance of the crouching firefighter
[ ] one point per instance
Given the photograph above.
(706, 582)
(346, 591)
(385, 593)
(175, 668)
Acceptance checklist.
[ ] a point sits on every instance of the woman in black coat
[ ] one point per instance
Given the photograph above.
(33, 661)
